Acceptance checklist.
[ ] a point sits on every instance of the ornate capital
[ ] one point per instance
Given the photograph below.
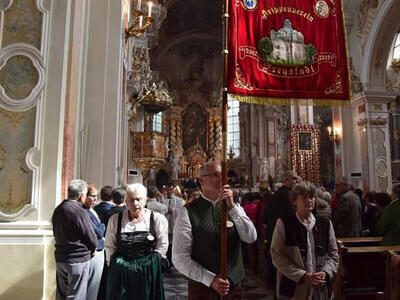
(378, 121)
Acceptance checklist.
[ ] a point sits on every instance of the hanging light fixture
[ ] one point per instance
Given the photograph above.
(137, 27)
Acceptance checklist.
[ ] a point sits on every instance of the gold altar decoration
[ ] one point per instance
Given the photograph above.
(195, 158)
(148, 150)
(305, 151)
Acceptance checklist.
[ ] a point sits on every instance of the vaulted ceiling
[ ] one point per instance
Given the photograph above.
(188, 50)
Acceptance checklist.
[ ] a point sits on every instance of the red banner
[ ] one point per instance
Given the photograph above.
(285, 49)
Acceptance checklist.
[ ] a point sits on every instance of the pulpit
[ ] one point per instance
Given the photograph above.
(148, 150)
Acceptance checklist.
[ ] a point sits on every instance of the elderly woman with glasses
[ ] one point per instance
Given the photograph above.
(136, 240)
(304, 250)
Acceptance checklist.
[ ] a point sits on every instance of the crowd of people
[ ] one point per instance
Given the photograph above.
(118, 245)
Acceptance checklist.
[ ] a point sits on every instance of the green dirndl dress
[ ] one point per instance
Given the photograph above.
(135, 269)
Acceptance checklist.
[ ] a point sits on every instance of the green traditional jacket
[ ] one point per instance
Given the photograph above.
(205, 221)
(389, 224)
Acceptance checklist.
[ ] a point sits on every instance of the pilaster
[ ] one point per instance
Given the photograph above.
(370, 113)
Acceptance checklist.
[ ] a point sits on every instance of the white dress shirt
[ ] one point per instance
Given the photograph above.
(160, 227)
(182, 242)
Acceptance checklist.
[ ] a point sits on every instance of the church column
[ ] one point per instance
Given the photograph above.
(176, 131)
(271, 141)
(372, 117)
(253, 145)
(211, 138)
(179, 131)
(261, 128)
(395, 138)
(302, 114)
(395, 130)
(173, 132)
(244, 143)
(218, 138)
(214, 132)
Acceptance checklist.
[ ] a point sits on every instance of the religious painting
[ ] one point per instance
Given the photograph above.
(305, 151)
(194, 127)
(305, 141)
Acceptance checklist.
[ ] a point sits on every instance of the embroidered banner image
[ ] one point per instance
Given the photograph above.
(283, 49)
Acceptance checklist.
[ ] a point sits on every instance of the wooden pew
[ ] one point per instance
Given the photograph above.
(361, 273)
(361, 241)
(392, 265)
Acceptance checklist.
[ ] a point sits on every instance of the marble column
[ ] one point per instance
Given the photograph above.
(395, 130)
(271, 142)
(371, 115)
(253, 144)
(301, 114)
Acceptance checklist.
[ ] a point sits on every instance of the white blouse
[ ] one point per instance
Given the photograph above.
(160, 227)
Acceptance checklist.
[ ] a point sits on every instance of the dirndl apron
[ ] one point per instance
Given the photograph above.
(135, 269)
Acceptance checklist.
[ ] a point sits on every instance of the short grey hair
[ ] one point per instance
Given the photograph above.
(303, 188)
(137, 188)
(205, 168)
(289, 174)
(76, 188)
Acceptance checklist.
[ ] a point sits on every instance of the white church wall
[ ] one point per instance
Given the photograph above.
(27, 237)
(102, 94)
(93, 78)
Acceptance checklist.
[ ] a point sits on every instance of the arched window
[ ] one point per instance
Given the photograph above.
(233, 134)
(157, 122)
(396, 49)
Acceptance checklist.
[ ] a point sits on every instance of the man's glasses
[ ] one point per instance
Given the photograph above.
(92, 196)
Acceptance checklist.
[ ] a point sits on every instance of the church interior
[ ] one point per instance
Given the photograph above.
(89, 89)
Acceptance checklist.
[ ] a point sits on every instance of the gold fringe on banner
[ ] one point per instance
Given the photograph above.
(290, 101)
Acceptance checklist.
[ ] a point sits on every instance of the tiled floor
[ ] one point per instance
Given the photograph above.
(175, 286)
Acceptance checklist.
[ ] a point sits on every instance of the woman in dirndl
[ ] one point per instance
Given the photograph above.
(136, 242)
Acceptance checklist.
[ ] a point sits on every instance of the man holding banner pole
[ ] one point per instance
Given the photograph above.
(196, 243)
